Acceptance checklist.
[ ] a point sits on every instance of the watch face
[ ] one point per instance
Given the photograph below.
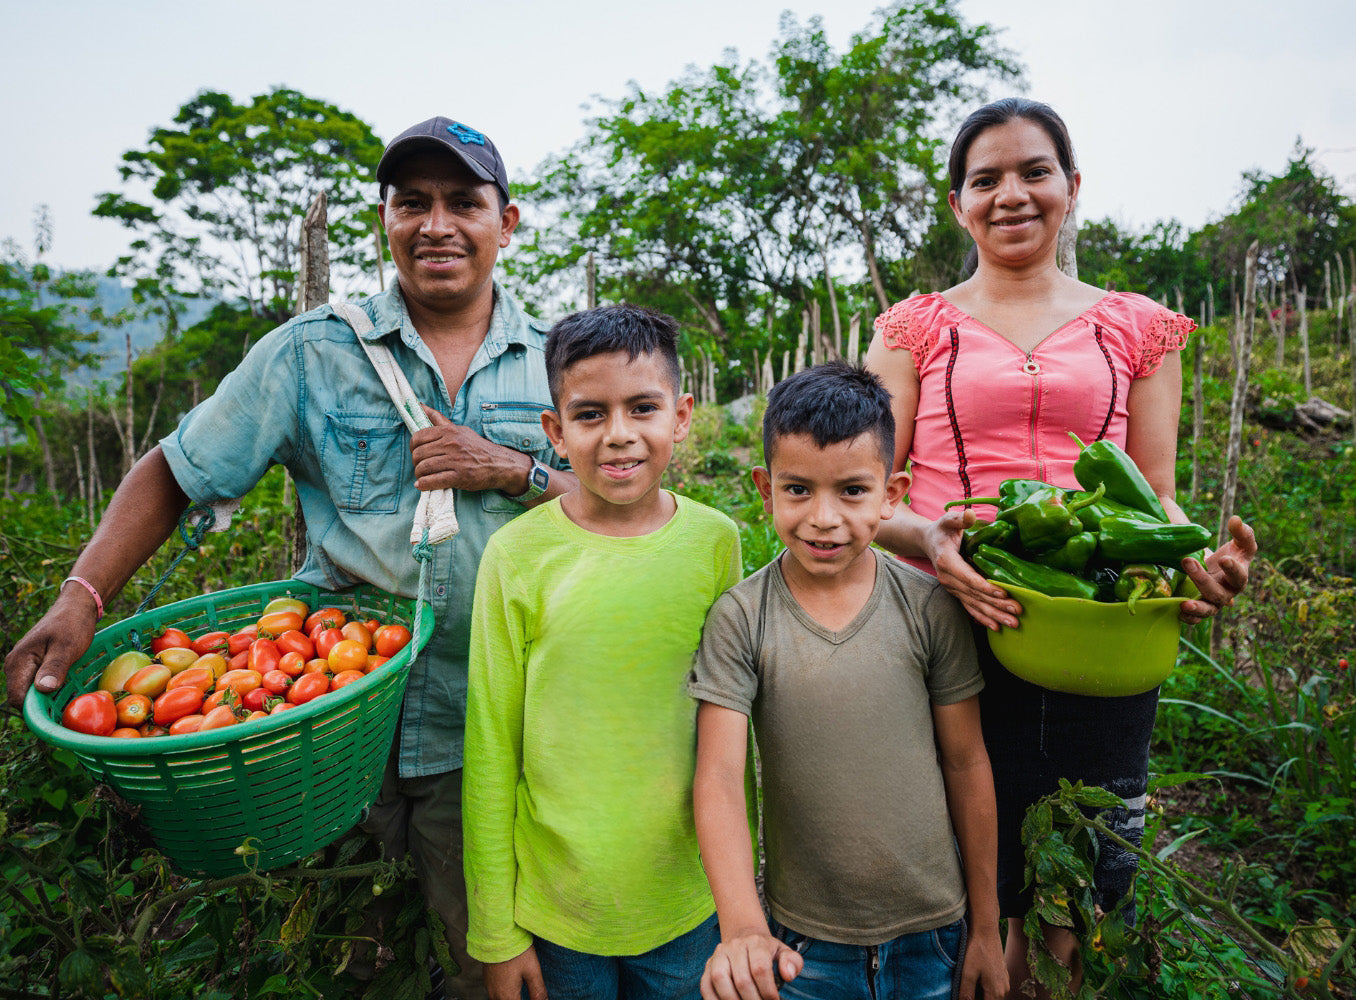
(539, 478)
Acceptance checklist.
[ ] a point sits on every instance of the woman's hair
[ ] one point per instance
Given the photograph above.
(1000, 113)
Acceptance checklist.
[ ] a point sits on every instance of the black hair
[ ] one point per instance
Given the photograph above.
(608, 330)
(831, 402)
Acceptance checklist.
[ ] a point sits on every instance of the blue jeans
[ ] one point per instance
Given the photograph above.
(670, 972)
(921, 966)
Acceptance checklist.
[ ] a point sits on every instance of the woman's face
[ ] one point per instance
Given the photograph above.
(1014, 195)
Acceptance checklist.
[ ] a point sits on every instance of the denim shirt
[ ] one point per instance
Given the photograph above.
(307, 397)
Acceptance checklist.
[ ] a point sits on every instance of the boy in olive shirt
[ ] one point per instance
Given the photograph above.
(859, 674)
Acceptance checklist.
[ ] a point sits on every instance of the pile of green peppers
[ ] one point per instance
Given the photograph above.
(1109, 541)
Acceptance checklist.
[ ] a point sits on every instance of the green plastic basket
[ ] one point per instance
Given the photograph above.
(292, 783)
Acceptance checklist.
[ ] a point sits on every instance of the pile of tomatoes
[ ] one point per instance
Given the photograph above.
(290, 656)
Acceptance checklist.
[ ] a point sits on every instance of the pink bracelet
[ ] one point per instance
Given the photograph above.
(98, 601)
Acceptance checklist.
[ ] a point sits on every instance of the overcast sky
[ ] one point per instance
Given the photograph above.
(1168, 101)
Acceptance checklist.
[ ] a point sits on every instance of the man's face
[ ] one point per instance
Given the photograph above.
(445, 229)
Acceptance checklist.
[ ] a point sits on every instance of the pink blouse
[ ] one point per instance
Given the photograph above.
(988, 411)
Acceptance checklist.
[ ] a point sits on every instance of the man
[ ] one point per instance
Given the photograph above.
(307, 397)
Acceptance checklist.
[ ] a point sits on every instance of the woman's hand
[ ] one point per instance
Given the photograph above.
(1223, 576)
(987, 604)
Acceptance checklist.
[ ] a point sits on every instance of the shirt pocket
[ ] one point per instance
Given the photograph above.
(515, 425)
(365, 458)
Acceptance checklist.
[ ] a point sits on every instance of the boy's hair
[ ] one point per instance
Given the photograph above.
(607, 330)
(831, 402)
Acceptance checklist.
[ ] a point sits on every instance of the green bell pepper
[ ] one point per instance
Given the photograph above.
(1107, 463)
(1044, 521)
(1142, 581)
(1004, 567)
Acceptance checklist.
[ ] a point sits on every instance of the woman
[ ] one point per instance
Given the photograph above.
(988, 377)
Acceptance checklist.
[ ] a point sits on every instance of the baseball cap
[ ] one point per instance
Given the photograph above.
(471, 146)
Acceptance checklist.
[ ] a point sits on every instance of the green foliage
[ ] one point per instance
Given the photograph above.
(230, 188)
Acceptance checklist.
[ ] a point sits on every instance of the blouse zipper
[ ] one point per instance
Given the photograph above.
(1034, 370)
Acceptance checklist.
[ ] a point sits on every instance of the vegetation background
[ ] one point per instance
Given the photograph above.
(775, 207)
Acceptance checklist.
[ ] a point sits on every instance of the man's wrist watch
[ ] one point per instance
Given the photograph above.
(537, 480)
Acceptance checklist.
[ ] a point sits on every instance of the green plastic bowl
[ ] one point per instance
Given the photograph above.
(292, 783)
(1089, 647)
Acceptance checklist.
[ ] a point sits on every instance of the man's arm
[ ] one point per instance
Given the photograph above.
(743, 963)
(974, 817)
(144, 512)
(451, 456)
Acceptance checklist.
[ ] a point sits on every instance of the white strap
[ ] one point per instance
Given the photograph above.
(437, 510)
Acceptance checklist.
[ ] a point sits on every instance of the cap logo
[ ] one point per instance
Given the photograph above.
(466, 134)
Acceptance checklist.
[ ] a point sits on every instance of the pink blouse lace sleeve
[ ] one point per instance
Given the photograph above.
(901, 327)
(1166, 331)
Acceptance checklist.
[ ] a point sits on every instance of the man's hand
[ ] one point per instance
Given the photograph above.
(42, 657)
(747, 967)
(1224, 574)
(505, 980)
(450, 456)
(984, 966)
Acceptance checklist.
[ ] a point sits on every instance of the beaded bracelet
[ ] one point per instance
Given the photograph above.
(98, 601)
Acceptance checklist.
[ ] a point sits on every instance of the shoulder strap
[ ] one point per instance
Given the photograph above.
(392, 378)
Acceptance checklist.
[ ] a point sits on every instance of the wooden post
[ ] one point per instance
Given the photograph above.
(800, 341)
(1300, 299)
(314, 281)
(381, 256)
(854, 346)
(1197, 414)
(592, 282)
(1066, 251)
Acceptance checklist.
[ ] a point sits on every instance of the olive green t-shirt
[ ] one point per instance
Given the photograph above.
(858, 840)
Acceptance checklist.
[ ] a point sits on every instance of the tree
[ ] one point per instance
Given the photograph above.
(229, 189)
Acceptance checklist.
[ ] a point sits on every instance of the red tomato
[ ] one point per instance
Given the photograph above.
(257, 714)
(264, 655)
(133, 709)
(276, 681)
(391, 639)
(294, 641)
(347, 654)
(371, 624)
(156, 731)
(358, 633)
(275, 623)
(325, 640)
(126, 733)
(239, 642)
(149, 681)
(185, 724)
(308, 687)
(218, 718)
(292, 664)
(345, 677)
(93, 714)
(240, 661)
(329, 617)
(253, 701)
(212, 642)
(375, 661)
(280, 707)
(171, 638)
(176, 704)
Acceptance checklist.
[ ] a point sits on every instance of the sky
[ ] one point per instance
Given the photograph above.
(1168, 102)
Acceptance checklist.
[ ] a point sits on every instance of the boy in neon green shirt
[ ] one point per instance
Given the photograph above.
(581, 857)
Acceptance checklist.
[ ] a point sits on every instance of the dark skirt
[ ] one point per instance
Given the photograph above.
(1035, 737)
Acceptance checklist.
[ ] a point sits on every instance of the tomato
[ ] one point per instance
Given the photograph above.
(218, 718)
(347, 654)
(133, 709)
(292, 664)
(120, 668)
(317, 666)
(171, 638)
(391, 639)
(308, 687)
(330, 617)
(240, 661)
(201, 678)
(92, 714)
(275, 623)
(186, 724)
(149, 681)
(294, 641)
(225, 696)
(280, 707)
(253, 701)
(126, 733)
(371, 624)
(276, 682)
(375, 661)
(211, 642)
(240, 641)
(325, 640)
(256, 714)
(155, 731)
(345, 677)
(240, 681)
(176, 704)
(264, 655)
(177, 658)
(287, 604)
(358, 633)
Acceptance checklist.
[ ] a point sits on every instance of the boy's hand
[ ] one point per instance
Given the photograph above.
(506, 980)
(984, 965)
(986, 604)
(749, 967)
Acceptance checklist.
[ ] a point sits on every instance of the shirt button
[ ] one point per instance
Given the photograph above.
(362, 443)
(440, 590)
(527, 442)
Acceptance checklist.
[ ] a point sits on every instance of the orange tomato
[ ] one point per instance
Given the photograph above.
(218, 718)
(345, 677)
(375, 661)
(391, 639)
(317, 666)
(214, 662)
(281, 706)
(240, 681)
(173, 705)
(257, 714)
(149, 681)
(347, 654)
(126, 733)
(275, 623)
(201, 678)
(358, 632)
(292, 664)
(133, 710)
(120, 668)
(308, 687)
(186, 724)
(329, 617)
